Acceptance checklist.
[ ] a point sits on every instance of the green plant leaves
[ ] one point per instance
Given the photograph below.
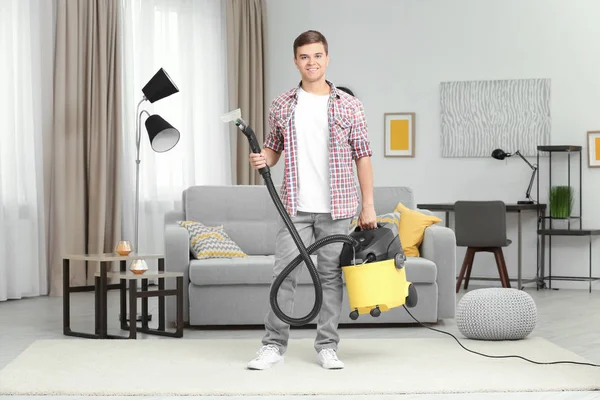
(561, 201)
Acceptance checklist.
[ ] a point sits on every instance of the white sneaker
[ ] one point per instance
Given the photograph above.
(268, 356)
(329, 359)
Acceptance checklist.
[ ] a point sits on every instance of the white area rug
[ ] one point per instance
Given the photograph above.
(217, 367)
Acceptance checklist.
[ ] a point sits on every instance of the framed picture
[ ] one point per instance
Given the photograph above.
(593, 149)
(399, 134)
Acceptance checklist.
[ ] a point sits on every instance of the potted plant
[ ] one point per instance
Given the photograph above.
(561, 201)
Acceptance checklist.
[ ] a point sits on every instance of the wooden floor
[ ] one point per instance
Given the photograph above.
(569, 318)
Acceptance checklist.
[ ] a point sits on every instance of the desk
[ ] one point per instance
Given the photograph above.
(540, 208)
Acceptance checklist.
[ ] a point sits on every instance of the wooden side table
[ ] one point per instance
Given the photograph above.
(100, 309)
(144, 294)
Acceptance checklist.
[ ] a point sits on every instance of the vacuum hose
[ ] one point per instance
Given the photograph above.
(304, 251)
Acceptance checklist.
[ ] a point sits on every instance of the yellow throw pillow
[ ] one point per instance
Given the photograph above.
(412, 228)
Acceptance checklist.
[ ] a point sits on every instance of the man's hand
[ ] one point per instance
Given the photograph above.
(258, 161)
(264, 158)
(367, 218)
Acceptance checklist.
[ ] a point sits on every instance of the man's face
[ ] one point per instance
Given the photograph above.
(311, 61)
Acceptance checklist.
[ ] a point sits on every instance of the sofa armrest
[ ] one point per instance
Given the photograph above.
(439, 246)
(177, 259)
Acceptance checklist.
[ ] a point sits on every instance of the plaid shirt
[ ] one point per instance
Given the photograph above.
(348, 141)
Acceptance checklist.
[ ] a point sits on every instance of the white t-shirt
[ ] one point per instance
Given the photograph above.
(312, 140)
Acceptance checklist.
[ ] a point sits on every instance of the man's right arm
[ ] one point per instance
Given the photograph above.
(274, 142)
(273, 146)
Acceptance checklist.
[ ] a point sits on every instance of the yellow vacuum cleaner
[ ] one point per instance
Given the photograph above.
(377, 284)
(375, 274)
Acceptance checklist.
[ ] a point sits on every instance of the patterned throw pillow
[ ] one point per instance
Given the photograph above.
(210, 241)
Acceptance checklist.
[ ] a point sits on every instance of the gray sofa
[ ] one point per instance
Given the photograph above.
(222, 291)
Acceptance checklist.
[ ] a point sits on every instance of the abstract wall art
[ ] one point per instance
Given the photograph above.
(480, 116)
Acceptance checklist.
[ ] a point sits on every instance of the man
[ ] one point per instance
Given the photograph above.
(322, 130)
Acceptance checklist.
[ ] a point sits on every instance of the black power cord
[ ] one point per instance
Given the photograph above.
(491, 356)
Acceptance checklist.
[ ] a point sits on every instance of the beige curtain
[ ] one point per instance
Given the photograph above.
(245, 60)
(85, 211)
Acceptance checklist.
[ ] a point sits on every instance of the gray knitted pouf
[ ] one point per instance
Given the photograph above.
(496, 314)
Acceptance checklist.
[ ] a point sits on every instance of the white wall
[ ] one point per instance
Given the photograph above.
(393, 54)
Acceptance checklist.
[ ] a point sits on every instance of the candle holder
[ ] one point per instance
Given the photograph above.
(124, 248)
(138, 267)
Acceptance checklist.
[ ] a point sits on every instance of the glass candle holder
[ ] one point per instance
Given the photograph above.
(138, 267)
(124, 247)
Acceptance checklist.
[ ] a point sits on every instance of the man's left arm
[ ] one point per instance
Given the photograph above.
(361, 153)
(368, 217)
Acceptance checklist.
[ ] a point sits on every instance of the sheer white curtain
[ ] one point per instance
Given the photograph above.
(26, 81)
(188, 39)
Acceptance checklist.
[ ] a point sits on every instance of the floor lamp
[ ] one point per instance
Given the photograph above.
(163, 137)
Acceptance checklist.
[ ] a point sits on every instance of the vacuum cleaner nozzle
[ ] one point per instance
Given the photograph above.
(241, 123)
(232, 115)
(235, 116)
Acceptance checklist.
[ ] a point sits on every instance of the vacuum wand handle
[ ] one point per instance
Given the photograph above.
(254, 146)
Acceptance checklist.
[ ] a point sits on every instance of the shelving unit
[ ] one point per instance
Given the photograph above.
(550, 231)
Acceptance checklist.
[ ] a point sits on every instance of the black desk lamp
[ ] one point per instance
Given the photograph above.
(163, 137)
(500, 154)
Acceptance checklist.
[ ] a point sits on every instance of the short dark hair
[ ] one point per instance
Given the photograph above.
(345, 89)
(310, 37)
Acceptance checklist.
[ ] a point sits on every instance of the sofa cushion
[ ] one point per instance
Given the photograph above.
(249, 216)
(387, 197)
(252, 270)
(246, 212)
(256, 270)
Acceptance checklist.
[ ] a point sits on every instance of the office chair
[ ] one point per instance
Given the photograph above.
(481, 226)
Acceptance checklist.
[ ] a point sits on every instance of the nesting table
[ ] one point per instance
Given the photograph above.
(127, 281)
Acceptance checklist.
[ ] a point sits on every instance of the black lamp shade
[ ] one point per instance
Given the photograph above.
(159, 87)
(163, 137)
(499, 154)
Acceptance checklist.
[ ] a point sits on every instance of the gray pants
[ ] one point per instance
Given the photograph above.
(309, 226)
